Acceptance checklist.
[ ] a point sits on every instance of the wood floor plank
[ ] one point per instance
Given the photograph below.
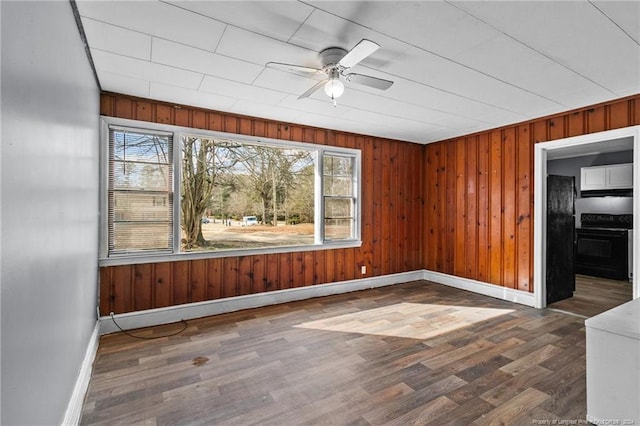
(426, 413)
(513, 409)
(413, 353)
(500, 394)
(595, 295)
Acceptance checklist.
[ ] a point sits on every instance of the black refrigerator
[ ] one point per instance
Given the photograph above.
(561, 232)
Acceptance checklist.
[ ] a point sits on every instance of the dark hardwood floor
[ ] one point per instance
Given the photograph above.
(595, 295)
(414, 353)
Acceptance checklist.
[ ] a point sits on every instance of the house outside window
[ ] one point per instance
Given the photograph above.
(139, 191)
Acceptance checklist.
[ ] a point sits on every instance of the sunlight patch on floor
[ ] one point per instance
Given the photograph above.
(410, 320)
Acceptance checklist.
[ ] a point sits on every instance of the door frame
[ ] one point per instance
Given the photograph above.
(540, 206)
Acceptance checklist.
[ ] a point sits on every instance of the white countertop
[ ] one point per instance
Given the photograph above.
(623, 320)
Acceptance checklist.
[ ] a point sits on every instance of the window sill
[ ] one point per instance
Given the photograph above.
(132, 259)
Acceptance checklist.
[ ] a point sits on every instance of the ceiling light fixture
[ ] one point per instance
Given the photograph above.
(334, 88)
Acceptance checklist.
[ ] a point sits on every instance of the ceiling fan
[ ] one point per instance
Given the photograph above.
(335, 61)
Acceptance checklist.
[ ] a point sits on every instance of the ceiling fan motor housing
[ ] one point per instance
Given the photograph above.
(331, 56)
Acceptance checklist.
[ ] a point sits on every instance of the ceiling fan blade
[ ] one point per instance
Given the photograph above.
(367, 80)
(313, 89)
(358, 53)
(296, 69)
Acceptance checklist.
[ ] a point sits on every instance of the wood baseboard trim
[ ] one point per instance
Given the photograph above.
(74, 408)
(491, 290)
(177, 313)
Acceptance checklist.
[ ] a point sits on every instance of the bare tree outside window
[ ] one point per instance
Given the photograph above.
(140, 193)
(226, 182)
(236, 193)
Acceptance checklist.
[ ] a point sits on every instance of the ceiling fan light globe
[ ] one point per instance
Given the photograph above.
(334, 88)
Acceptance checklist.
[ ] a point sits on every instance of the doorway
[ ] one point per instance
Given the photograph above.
(609, 141)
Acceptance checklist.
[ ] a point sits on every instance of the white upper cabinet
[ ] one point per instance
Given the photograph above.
(615, 176)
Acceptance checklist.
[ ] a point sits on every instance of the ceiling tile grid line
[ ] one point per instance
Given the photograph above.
(630, 19)
(397, 76)
(574, 34)
(620, 27)
(221, 37)
(443, 57)
(459, 67)
(543, 54)
(205, 74)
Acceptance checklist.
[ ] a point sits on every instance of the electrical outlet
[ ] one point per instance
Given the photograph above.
(363, 269)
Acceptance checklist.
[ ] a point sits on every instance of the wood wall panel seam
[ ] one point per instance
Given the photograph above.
(409, 183)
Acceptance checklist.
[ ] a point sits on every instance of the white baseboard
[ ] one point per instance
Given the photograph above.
(508, 294)
(177, 313)
(74, 408)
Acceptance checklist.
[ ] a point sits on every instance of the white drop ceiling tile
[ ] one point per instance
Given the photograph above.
(326, 122)
(284, 82)
(145, 70)
(457, 79)
(628, 91)
(122, 84)
(157, 19)
(237, 90)
(453, 121)
(626, 14)
(576, 34)
(198, 60)
(351, 126)
(581, 96)
(443, 134)
(258, 49)
(117, 40)
(179, 95)
(377, 119)
(371, 102)
(321, 105)
(612, 52)
(303, 116)
(503, 118)
(437, 100)
(323, 30)
(460, 72)
(271, 112)
(538, 24)
(432, 25)
(524, 68)
(277, 19)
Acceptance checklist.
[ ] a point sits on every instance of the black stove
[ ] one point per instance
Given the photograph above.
(602, 245)
(606, 221)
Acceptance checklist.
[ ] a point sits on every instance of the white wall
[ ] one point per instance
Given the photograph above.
(49, 212)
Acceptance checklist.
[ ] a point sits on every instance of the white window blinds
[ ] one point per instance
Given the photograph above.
(140, 190)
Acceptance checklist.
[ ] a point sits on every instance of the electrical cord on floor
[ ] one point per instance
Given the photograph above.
(148, 337)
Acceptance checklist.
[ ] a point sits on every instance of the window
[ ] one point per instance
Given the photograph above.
(139, 193)
(237, 194)
(338, 196)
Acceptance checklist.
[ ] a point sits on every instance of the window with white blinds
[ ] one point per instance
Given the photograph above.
(339, 196)
(172, 191)
(140, 191)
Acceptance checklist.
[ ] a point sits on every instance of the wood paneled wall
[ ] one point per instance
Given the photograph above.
(392, 220)
(479, 193)
(462, 207)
